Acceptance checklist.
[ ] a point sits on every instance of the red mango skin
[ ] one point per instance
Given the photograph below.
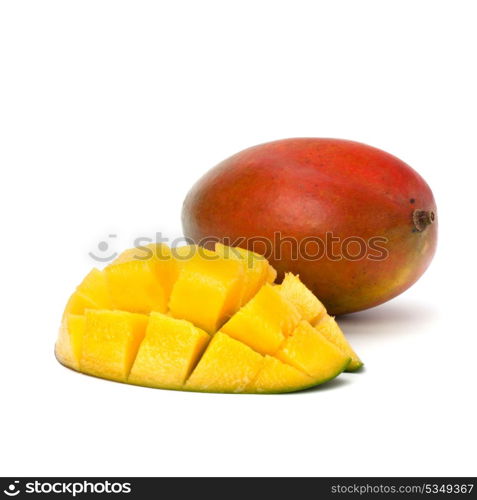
(304, 188)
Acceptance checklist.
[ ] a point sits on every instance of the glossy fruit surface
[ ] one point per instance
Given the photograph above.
(358, 225)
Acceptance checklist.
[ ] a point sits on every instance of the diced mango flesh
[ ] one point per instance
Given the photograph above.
(264, 322)
(271, 274)
(310, 308)
(110, 344)
(307, 350)
(147, 322)
(76, 327)
(70, 340)
(329, 328)
(207, 291)
(257, 269)
(168, 353)
(91, 293)
(140, 280)
(78, 303)
(226, 366)
(95, 287)
(276, 376)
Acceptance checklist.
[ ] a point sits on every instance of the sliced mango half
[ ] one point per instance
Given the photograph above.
(200, 320)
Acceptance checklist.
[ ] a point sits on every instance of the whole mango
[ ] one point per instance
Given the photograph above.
(357, 224)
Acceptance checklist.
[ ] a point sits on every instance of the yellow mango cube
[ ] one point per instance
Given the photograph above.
(276, 377)
(78, 303)
(95, 287)
(309, 351)
(256, 267)
(92, 293)
(328, 327)
(226, 366)
(264, 322)
(168, 353)
(110, 343)
(184, 254)
(140, 279)
(70, 340)
(310, 308)
(207, 290)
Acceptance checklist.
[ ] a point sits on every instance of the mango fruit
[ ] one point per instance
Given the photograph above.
(297, 293)
(168, 353)
(226, 366)
(208, 289)
(358, 225)
(194, 319)
(141, 282)
(276, 376)
(328, 327)
(91, 293)
(264, 322)
(257, 269)
(110, 343)
(309, 351)
(70, 340)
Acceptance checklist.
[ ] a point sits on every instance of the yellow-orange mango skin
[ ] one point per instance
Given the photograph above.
(311, 189)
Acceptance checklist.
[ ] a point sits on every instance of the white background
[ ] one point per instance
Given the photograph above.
(110, 110)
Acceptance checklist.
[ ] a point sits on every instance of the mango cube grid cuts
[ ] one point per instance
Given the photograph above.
(200, 320)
